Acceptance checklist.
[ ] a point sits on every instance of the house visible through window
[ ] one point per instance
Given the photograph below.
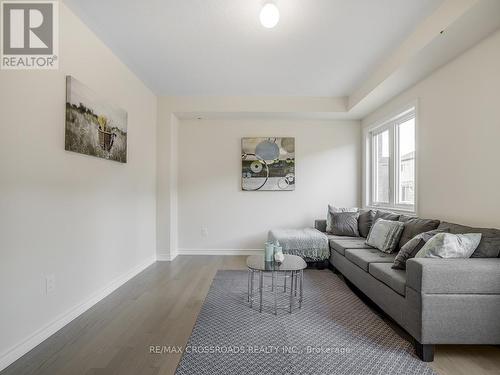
(392, 181)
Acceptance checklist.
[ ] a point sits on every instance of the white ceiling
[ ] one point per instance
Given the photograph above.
(218, 47)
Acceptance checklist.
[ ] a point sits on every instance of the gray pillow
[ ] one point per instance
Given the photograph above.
(412, 247)
(333, 209)
(489, 247)
(384, 215)
(385, 235)
(447, 245)
(345, 224)
(414, 226)
(365, 222)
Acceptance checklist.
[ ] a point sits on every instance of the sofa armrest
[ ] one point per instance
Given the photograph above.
(454, 276)
(320, 225)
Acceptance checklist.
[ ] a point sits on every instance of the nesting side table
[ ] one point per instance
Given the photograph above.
(291, 268)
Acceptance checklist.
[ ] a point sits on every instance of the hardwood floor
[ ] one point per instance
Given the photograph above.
(159, 307)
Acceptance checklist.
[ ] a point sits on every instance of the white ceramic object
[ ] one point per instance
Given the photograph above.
(279, 256)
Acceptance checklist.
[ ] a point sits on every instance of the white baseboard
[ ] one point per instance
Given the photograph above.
(17, 351)
(165, 257)
(168, 257)
(219, 251)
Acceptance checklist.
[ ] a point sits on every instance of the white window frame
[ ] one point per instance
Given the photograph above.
(390, 123)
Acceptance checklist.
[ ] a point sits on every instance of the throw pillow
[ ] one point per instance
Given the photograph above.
(384, 215)
(489, 247)
(412, 247)
(365, 222)
(345, 224)
(331, 210)
(414, 226)
(385, 235)
(447, 245)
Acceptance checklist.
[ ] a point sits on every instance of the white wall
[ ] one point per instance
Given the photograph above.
(209, 180)
(171, 108)
(458, 137)
(86, 220)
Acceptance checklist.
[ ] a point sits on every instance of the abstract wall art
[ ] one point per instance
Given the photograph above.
(94, 126)
(268, 164)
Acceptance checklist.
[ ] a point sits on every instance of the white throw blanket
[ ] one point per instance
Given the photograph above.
(309, 243)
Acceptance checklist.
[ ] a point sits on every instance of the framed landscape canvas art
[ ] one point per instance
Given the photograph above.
(94, 126)
(268, 164)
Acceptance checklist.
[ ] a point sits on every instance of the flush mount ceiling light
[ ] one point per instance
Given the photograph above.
(269, 15)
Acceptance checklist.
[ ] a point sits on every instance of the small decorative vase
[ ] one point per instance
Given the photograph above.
(268, 252)
(278, 254)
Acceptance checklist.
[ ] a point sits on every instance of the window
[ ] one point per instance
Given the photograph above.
(392, 163)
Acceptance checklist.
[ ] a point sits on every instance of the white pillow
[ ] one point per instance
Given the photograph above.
(447, 245)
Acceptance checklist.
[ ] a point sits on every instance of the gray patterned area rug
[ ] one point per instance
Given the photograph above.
(333, 333)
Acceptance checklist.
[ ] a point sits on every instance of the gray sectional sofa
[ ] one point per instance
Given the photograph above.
(437, 301)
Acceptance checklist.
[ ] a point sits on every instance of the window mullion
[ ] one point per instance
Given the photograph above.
(392, 148)
(396, 163)
(372, 168)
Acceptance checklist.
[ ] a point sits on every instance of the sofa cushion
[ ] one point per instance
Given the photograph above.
(386, 215)
(343, 238)
(344, 223)
(385, 235)
(340, 246)
(365, 222)
(412, 247)
(489, 247)
(363, 257)
(333, 209)
(394, 279)
(414, 226)
(383, 215)
(447, 245)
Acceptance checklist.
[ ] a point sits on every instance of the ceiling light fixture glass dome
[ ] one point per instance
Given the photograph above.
(269, 15)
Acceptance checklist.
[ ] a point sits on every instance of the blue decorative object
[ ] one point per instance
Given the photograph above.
(269, 252)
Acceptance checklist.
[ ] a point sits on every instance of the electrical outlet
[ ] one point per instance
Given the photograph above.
(50, 283)
(204, 232)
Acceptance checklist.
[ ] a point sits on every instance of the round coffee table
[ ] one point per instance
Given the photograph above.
(292, 267)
